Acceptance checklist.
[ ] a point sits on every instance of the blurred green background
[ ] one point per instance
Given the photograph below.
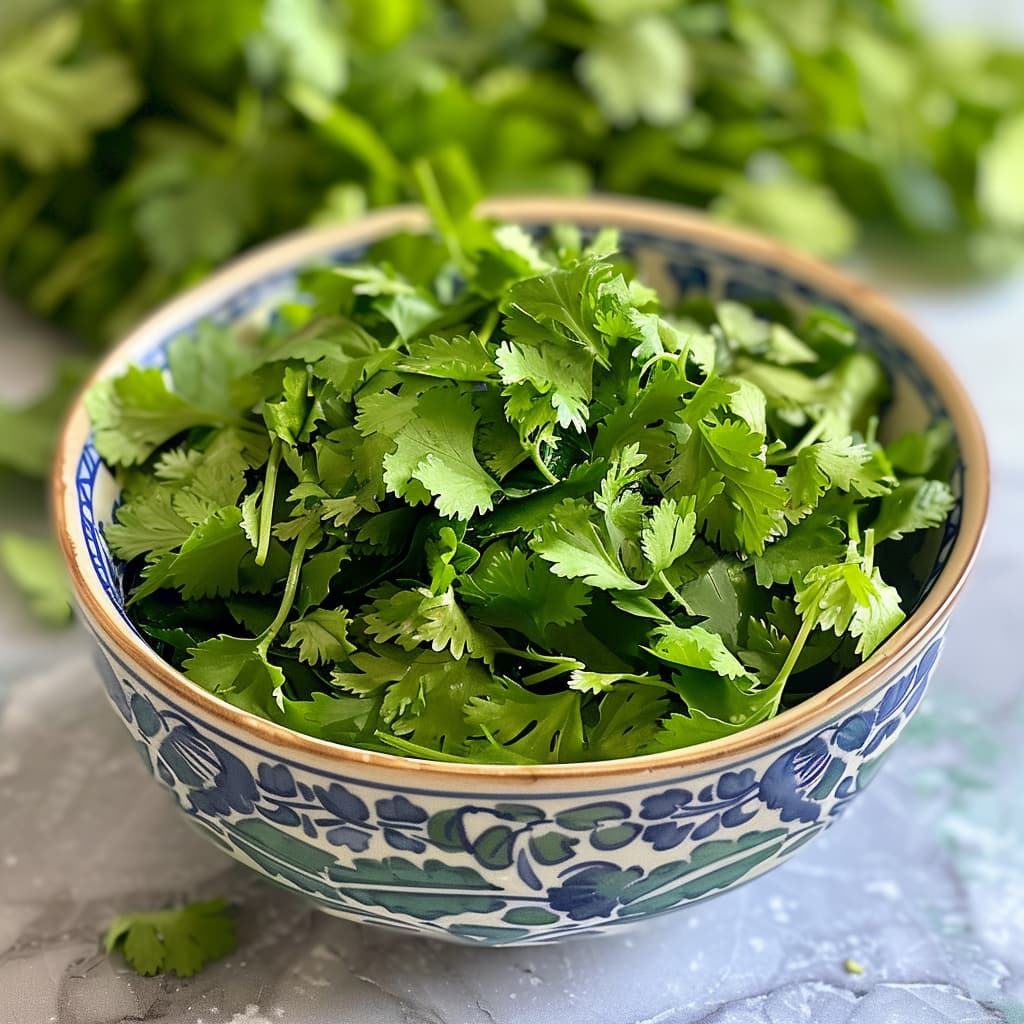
(145, 142)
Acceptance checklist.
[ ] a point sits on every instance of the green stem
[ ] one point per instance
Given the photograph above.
(853, 529)
(675, 593)
(487, 329)
(787, 666)
(661, 357)
(291, 587)
(549, 673)
(539, 463)
(430, 192)
(267, 505)
(810, 437)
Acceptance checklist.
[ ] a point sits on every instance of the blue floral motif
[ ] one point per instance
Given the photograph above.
(592, 890)
(728, 803)
(788, 782)
(218, 782)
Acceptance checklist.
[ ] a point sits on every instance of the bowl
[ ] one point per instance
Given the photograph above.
(507, 855)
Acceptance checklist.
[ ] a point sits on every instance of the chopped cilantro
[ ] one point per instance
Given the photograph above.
(546, 520)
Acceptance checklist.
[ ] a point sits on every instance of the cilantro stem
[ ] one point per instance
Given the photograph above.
(661, 357)
(791, 659)
(267, 505)
(810, 437)
(487, 329)
(539, 463)
(663, 579)
(430, 191)
(543, 675)
(291, 587)
(853, 528)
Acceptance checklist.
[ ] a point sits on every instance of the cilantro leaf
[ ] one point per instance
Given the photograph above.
(236, 669)
(850, 597)
(745, 510)
(578, 548)
(436, 449)
(182, 940)
(462, 358)
(917, 504)
(669, 532)
(819, 467)
(695, 647)
(134, 414)
(50, 105)
(541, 728)
(515, 590)
(321, 636)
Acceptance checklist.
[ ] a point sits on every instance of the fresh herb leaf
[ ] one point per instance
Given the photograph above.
(183, 940)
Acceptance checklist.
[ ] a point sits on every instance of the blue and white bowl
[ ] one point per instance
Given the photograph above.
(506, 855)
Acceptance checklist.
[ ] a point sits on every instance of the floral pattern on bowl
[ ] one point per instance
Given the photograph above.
(516, 868)
(516, 855)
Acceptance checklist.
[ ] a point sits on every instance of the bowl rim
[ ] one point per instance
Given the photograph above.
(660, 219)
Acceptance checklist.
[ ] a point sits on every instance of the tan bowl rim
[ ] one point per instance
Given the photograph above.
(659, 219)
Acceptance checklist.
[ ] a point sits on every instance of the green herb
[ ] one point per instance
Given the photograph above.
(123, 126)
(36, 567)
(526, 515)
(183, 940)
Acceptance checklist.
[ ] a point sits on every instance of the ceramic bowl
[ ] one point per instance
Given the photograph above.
(513, 855)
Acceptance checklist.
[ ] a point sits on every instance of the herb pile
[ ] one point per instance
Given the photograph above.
(124, 126)
(482, 499)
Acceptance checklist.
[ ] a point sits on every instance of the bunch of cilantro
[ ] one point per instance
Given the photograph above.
(143, 143)
(481, 498)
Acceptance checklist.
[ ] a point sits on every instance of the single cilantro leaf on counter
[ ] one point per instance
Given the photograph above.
(183, 940)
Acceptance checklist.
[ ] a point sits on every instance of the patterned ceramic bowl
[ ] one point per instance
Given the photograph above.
(507, 855)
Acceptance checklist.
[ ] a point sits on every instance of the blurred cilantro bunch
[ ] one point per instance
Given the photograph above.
(144, 142)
